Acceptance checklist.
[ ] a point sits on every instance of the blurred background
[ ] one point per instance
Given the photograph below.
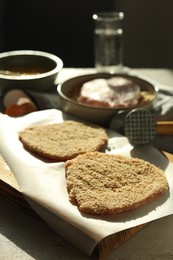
(65, 28)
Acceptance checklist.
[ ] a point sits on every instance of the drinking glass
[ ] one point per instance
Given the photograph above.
(108, 41)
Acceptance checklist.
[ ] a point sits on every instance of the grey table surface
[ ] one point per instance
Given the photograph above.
(24, 237)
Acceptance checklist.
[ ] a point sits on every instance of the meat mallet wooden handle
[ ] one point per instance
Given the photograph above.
(165, 127)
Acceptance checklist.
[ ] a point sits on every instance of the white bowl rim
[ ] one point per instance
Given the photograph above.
(56, 59)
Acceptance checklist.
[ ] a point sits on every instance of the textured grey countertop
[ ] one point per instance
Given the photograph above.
(24, 237)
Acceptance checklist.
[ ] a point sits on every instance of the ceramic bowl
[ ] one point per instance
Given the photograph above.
(69, 90)
(28, 69)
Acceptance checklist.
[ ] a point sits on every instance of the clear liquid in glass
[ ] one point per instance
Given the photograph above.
(108, 50)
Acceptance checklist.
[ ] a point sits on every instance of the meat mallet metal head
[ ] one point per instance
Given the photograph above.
(140, 127)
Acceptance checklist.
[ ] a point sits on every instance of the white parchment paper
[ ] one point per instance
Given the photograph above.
(44, 184)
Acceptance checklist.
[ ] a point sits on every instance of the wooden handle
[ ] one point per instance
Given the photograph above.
(165, 127)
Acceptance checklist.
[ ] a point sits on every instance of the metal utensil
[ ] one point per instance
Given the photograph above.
(140, 127)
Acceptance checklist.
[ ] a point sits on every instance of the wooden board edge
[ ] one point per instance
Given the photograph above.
(110, 243)
(15, 197)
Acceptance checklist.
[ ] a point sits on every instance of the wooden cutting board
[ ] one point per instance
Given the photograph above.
(10, 189)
